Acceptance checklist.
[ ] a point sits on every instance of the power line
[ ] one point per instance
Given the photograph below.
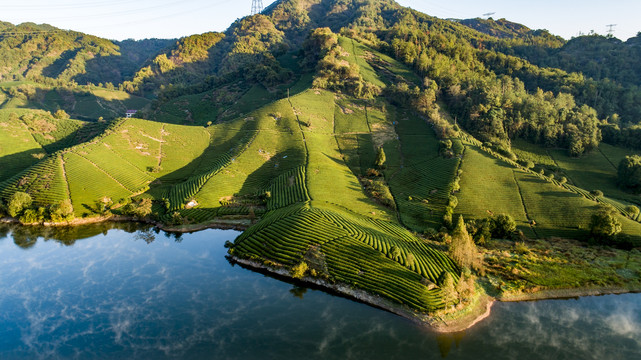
(257, 7)
(611, 29)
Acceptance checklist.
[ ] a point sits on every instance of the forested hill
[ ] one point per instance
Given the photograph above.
(47, 54)
(505, 29)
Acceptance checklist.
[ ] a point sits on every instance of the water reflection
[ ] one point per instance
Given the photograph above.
(134, 293)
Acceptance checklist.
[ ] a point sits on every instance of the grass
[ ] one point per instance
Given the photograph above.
(44, 181)
(88, 184)
(83, 102)
(18, 148)
(559, 264)
(488, 188)
(350, 118)
(596, 171)
(526, 151)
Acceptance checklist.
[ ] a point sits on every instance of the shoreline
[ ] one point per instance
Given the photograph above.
(457, 321)
(222, 224)
(476, 313)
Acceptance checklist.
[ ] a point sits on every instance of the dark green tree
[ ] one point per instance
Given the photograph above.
(503, 226)
(629, 173)
(604, 224)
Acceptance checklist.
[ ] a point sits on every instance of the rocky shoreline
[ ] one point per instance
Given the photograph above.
(479, 311)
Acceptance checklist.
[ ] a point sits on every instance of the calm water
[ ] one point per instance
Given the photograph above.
(122, 293)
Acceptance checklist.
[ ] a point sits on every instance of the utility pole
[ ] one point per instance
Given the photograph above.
(611, 29)
(257, 7)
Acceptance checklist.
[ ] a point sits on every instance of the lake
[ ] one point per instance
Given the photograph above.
(121, 291)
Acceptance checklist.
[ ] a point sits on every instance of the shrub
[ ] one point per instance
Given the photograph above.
(604, 224)
(563, 180)
(597, 193)
(373, 173)
(139, 208)
(61, 115)
(18, 202)
(503, 226)
(298, 270)
(63, 211)
(632, 210)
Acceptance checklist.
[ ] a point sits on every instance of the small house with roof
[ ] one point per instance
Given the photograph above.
(130, 113)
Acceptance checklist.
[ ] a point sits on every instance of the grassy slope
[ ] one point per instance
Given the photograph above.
(556, 210)
(489, 187)
(18, 148)
(85, 102)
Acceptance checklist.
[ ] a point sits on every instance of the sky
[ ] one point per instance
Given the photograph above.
(124, 19)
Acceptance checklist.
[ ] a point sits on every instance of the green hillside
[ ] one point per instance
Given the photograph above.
(65, 56)
(362, 145)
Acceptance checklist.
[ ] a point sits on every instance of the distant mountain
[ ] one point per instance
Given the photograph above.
(41, 52)
(505, 29)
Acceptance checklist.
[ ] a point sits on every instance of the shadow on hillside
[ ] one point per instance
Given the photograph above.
(14, 164)
(78, 103)
(57, 67)
(133, 55)
(268, 171)
(346, 170)
(204, 162)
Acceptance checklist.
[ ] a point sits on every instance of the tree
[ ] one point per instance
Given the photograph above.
(139, 208)
(18, 202)
(563, 180)
(597, 193)
(462, 249)
(380, 157)
(61, 115)
(450, 296)
(604, 224)
(63, 211)
(503, 225)
(629, 173)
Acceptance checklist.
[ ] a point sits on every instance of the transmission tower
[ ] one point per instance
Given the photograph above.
(257, 6)
(611, 29)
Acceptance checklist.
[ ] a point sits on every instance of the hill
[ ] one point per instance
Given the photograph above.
(364, 146)
(67, 56)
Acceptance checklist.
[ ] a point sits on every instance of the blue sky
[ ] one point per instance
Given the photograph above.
(122, 19)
